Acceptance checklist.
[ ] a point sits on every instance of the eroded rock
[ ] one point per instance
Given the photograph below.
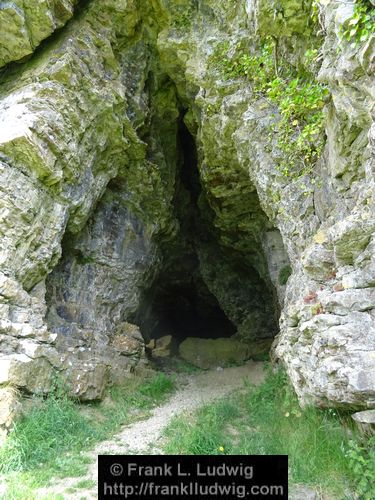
(162, 347)
(28, 23)
(95, 199)
(128, 340)
(9, 406)
(365, 420)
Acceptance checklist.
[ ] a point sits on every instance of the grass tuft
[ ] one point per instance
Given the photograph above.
(201, 435)
(52, 425)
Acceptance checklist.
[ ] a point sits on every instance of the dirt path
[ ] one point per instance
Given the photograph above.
(145, 437)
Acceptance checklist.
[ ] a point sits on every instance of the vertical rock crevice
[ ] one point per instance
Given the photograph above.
(203, 287)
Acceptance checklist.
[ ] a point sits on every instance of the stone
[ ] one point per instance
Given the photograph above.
(10, 406)
(30, 23)
(127, 346)
(365, 421)
(163, 346)
(286, 18)
(128, 341)
(151, 344)
(277, 262)
(88, 381)
(302, 492)
(32, 375)
(129, 330)
(209, 353)
(41, 140)
(163, 342)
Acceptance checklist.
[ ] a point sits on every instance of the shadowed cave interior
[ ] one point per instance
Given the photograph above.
(181, 301)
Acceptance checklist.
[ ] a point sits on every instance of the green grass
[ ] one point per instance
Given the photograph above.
(268, 420)
(85, 483)
(143, 395)
(49, 440)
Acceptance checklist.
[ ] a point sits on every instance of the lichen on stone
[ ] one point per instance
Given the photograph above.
(147, 145)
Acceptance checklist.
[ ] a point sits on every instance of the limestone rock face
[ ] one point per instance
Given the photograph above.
(331, 356)
(26, 24)
(64, 134)
(100, 197)
(327, 342)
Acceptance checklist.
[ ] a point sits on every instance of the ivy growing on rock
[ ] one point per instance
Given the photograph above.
(361, 25)
(296, 93)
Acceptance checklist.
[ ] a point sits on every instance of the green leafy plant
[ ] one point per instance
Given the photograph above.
(297, 95)
(361, 25)
(300, 130)
(361, 456)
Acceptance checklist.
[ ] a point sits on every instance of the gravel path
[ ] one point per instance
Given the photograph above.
(141, 437)
(145, 437)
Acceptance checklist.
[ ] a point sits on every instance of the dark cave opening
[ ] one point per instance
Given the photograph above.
(179, 302)
(182, 311)
(186, 298)
(184, 282)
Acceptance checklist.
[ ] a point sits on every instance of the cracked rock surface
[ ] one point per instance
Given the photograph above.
(104, 208)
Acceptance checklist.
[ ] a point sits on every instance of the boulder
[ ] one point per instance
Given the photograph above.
(127, 346)
(151, 345)
(163, 347)
(88, 380)
(365, 421)
(302, 492)
(209, 353)
(9, 406)
(128, 340)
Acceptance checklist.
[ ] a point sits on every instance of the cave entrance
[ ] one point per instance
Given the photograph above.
(203, 288)
(185, 309)
(179, 303)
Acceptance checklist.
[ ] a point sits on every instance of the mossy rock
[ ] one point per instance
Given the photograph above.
(210, 353)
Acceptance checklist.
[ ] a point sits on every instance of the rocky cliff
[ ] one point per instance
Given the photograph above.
(221, 152)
